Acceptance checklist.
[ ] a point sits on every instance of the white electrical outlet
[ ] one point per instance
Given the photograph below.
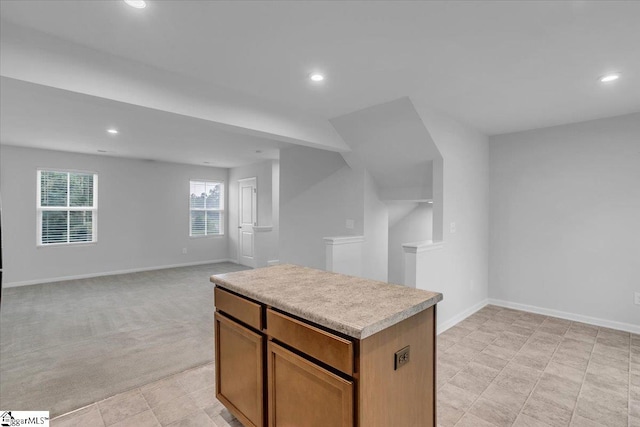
(637, 298)
(184, 251)
(452, 227)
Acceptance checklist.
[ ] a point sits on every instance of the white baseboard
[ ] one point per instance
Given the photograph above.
(273, 262)
(461, 316)
(110, 273)
(627, 327)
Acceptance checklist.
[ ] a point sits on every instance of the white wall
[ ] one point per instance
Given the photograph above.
(143, 217)
(267, 215)
(318, 193)
(460, 269)
(415, 226)
(375, 249)
(275, 207)
(565, 213)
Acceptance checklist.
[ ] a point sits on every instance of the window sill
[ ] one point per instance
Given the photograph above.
(211, 236)
(65, 245)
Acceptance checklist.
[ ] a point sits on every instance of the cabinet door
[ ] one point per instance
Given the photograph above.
(239, 371)
(302, 394)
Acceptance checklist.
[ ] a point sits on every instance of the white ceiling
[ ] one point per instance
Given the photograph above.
(44, 117)
(498, 66)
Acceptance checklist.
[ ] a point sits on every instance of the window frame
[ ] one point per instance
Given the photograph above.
(40, 209)
(221, 210)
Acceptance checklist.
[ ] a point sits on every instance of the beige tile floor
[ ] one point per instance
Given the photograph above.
(186, 399)
(502, 367)
(499, 367)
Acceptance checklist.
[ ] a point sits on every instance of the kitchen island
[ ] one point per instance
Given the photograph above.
(295, 346)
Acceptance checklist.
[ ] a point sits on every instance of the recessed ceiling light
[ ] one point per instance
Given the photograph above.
(609, 77)
(316, 77)
(138, 4)
(113, 131)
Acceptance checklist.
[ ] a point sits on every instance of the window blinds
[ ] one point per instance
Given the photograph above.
(66, 207)
(206, 208)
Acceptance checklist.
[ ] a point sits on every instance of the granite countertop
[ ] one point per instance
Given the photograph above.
(351, 305)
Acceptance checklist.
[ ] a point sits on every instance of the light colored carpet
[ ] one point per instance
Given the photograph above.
(68, 344)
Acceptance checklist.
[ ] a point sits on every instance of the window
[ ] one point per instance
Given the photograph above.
(206, 208)
(67, 207)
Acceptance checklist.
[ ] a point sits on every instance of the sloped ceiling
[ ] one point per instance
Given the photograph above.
(48, 118)
(392, 143)
(494, 65)
(35, 57)
(498, 66)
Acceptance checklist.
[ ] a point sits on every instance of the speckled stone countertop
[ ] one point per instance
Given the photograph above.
(354, 306)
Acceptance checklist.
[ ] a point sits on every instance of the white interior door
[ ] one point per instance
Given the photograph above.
(247, 211)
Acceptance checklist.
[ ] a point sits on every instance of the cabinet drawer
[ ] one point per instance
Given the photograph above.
(324, 346)
(242, 309)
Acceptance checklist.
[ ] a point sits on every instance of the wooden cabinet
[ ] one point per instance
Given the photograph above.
(303, 394)
(324, 346)
(276, 370)
(245, 311)
(240, 370)
(405, 396)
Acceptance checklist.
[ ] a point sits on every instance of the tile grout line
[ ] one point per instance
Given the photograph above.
(537, 329)
(104, 400)
(540, 377)
(476, 399)
(584, 377)
(575, 406)
(446, 350)
(505, 366)
(96, 403)
(149, 405)
(534, 386)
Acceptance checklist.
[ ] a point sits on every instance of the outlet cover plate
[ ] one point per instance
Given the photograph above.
(401, 358)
